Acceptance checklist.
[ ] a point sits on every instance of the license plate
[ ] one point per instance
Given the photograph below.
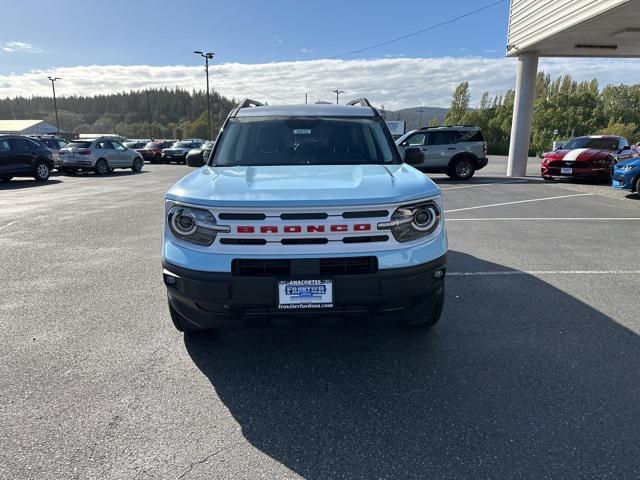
(300, 294)
(566, 171)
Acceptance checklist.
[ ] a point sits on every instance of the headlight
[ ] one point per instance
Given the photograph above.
(194, 225)
(414, 221)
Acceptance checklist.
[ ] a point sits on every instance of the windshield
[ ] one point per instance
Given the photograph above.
(595, 143)
(153, 145)
(181, 145)
(254, 141)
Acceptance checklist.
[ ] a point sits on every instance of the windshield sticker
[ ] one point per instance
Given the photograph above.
(302, 131)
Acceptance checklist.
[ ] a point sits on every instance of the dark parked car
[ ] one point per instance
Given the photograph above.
(198, 156)
(24, 157)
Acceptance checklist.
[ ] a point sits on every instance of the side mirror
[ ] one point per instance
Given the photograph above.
(413, 156)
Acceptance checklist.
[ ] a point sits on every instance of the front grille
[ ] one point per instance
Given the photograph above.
(306, 267)
(561, 164)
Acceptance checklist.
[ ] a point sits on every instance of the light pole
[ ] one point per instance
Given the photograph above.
(337, 92)
(420, 122)
(207, 56)
(149, 115)
(55, 103)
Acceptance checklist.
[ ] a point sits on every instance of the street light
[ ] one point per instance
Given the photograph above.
(55, 103)
(337, 92)
(207, 56)
(420, 122)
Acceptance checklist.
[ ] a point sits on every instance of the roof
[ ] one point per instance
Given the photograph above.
(306, 110)
(574, 28)
(17, 125)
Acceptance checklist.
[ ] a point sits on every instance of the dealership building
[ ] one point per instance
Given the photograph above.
(562, 28)
(27, 127)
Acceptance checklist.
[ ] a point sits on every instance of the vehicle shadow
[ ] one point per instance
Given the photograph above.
(519, 380)
(481, 180)
(20, 183)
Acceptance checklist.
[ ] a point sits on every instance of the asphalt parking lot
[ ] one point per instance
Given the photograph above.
(532, 372)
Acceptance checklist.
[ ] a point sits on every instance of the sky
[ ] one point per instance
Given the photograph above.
(274, 50)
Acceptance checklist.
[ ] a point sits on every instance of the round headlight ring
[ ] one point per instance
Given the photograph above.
(424, 218)
(184, 222)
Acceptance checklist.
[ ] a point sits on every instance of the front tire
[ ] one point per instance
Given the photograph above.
(101, 167)
(462, 168)
(137, 165)
(42, 171)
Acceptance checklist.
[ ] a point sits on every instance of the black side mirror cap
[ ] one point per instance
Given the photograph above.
(413, 156)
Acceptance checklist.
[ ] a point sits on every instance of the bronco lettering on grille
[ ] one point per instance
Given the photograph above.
(297, 229)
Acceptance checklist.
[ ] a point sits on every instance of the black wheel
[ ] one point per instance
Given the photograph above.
(42, 171)
(101, 168)
(156, 159)
(69, 171)
(547, 179)
(462, 168)
(637, 189)
(5, 179)
(137, 165)
(181, 324)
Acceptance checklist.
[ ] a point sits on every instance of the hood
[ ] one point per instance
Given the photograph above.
(581, 154)
(635, 162)
(303, 185)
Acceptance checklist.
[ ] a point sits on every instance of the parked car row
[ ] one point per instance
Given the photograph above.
(596, 157)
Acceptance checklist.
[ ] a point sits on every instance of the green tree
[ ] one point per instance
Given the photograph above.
(459, 104)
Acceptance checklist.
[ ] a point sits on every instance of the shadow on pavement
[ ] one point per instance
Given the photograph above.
(19, 183)
(519, 380)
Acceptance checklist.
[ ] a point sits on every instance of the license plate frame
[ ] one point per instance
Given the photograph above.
(305, 294)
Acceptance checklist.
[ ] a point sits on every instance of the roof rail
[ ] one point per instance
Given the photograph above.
(247, 102)
(363, 102)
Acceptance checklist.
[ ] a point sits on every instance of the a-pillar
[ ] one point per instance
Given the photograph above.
(526, 73)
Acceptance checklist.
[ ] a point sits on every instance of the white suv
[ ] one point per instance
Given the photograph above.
(457, 150)
(101, 155)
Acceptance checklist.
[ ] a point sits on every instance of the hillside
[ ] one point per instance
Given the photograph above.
(412, 116)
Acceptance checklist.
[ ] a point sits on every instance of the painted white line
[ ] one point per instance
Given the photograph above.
(487, 184)
(519, 201)
(8, 224)
(541, 219)
(544, 272)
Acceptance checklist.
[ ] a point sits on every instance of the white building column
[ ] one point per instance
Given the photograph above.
(526, 73)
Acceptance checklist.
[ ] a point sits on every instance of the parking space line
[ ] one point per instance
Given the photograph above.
(9, 224)
(487, 184)
(576, 219)
(519, 201)
(543, 272)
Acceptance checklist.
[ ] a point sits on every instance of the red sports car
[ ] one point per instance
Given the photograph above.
(587, 158)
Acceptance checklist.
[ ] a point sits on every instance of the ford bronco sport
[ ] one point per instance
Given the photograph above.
(304, 214)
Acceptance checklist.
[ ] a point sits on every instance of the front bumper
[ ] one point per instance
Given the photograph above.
(592, 173)
(213, 300)
(624, 181)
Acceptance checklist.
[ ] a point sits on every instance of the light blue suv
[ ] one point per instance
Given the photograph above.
(304, 214)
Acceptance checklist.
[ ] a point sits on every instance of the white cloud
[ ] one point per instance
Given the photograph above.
(278, 39)
(13, 47)
(393, 82)
(306, 50)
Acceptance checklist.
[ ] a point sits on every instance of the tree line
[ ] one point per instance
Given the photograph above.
(562, 105)
(154, 113)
